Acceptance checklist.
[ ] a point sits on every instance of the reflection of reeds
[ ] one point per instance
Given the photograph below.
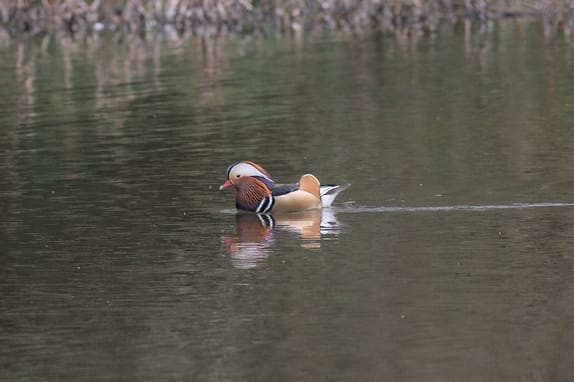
(221, 16)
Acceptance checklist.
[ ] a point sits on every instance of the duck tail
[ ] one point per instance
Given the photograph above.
(330, 192)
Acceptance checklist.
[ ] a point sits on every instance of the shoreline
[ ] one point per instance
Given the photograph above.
(214, 17)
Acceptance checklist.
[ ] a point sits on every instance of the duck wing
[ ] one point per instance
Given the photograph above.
(282, 189)
(328, 192)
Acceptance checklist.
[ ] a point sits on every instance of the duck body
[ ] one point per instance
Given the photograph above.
(257, 192)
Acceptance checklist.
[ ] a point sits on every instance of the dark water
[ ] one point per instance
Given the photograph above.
(449, 259)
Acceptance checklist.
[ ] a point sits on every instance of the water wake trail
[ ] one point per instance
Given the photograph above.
(485, 207)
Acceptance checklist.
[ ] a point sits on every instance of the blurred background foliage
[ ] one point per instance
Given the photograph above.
(208, 17)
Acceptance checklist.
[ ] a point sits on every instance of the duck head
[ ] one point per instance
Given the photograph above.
(241, 173)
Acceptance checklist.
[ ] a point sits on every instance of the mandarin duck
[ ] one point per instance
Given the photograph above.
(257, 192)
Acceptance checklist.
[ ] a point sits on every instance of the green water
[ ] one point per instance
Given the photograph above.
(449, 259)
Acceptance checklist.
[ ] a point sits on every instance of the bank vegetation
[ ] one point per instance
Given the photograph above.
(204, 17)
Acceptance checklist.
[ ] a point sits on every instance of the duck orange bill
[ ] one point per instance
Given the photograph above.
(225, 185)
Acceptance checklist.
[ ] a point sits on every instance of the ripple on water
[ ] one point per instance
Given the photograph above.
(485, 207)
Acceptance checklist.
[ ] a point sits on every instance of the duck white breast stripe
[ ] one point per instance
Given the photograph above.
(261, 203)
(266, 204)
(271, 203)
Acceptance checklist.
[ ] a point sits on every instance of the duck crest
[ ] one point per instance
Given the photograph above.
(259, 168)
(253, 164)
(253, 195)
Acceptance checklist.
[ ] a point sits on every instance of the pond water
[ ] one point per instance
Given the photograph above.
(449, 258)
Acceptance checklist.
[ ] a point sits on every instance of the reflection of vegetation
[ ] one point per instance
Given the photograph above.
(390, 98)
(220, 16)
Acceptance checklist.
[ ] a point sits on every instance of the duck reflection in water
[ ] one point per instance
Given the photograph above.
(256, 233)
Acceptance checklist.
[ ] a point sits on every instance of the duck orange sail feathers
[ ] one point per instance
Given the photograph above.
(257, 192)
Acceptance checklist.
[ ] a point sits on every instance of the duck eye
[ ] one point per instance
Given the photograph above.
(238, 176)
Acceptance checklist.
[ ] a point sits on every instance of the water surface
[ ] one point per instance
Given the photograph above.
(449, 258)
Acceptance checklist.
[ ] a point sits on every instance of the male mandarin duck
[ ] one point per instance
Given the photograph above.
(257, 192)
